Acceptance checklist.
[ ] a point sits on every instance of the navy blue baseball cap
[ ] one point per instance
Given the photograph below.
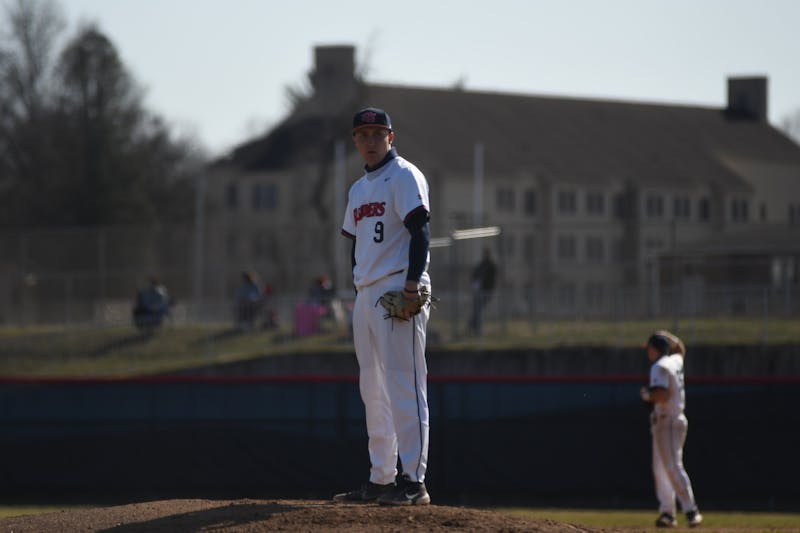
(659, 342)
(372, 117)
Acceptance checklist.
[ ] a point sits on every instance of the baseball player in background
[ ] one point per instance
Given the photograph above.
(668, 426)
(387, 219)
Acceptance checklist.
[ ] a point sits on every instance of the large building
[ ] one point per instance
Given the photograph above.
(591, 195)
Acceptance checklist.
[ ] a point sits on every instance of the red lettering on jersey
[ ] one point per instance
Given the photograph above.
(373, 209)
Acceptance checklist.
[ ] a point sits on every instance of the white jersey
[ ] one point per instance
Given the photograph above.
(377, 206)
(667, 373)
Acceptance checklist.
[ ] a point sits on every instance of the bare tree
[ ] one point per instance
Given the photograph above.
(98, 108)
(366, 65)
(77, 145)
(26, 52)
(123, 165)
(296, 94)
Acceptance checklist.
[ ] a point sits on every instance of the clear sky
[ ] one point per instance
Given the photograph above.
(217, 69)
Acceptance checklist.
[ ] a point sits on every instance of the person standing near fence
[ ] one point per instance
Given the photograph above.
(483, 282)
(668, 426)
(387, 217)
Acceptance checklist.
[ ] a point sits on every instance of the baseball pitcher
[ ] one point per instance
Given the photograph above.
(387, 219)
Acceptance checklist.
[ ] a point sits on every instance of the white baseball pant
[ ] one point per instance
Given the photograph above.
(393, 383)
(669, 435)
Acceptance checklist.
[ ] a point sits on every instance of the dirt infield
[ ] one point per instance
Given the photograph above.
(277, 515)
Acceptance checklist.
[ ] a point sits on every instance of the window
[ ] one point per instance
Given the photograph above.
(681, 207)
(505, 199)
(232, 196)
(654, 206)
(594, 295)
(530, 202)
(265, 197)
(595, 203)
(621, 207)
(784, 271)
(505, 245)
(567, 249)
(529, 249)
(794, 214)
(654, 245)
(739, 210)
(566, 295)
(566, 202)
(618, 250)
(704, 209)
(595, 249)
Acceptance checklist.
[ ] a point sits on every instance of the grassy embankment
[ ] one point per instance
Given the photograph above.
(122, 351)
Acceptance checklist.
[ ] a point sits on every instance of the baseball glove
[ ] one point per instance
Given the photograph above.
(398, 305)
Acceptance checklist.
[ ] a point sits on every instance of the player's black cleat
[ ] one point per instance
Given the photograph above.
(666, 520)
(694, 518)
(368, 492)
(406, 492)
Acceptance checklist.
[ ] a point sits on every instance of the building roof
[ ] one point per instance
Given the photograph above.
(566, 139)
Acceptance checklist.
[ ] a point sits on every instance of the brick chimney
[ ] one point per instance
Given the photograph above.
(747, 97)
(334, 68)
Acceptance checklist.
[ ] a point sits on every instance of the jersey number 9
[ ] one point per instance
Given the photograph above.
(378, 232)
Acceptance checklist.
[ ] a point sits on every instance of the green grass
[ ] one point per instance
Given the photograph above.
(547, 334)
(644, 520)
(121, 351)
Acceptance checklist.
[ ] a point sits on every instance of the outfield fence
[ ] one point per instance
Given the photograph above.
(457, 315)
(67, 306)
(89, 276)
(502, 439)
(102, 339)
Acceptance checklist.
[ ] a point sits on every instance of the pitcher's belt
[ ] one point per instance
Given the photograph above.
(389, 275)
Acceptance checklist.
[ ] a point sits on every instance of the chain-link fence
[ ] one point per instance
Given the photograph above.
(103, 339)
(66, 304)
(90, 277)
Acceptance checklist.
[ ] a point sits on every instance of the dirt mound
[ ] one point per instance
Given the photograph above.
(276, 515)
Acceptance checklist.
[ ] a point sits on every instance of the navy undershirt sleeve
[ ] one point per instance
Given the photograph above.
(419, 228)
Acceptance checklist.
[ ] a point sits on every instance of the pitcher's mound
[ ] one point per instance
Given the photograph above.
(276, 515)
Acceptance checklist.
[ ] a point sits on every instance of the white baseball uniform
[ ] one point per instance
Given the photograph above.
(390, 352)
(668, 427)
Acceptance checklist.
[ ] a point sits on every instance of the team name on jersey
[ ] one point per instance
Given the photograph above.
(372, 209)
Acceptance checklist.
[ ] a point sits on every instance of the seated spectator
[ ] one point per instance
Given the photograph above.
(248, 302)
(321, 293)
(151, 306)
